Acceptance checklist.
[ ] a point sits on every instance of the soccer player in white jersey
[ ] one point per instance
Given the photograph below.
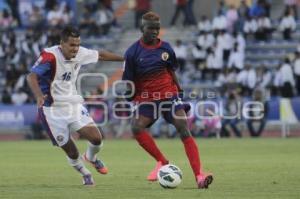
(52, 81)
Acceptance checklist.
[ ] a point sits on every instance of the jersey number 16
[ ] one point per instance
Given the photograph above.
(66, 76)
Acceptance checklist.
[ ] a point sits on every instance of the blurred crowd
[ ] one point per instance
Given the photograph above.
(23, 40)
(217, 54)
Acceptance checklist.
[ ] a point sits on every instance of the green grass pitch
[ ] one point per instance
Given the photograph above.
(243, 168)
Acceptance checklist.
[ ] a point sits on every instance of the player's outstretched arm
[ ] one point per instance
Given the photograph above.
(32, 80)
(108, 56)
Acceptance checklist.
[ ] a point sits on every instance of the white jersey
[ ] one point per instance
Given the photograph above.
(57, 76)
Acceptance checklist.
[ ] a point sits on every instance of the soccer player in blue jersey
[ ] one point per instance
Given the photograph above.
(150, 64)
(52, 80)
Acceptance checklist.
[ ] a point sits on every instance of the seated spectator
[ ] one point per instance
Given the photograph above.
(263, 77)
(204, 24)
(181, 53)
(19, 97)
(287, 79)
(236, 58)
(36, 18)
(205, 40)
(287, 24)
(214, 63)
(199, 55)
(219, 22)
(264, 28)
(103, 18)
(257, 117)
(231, 115)
(225, 42)
(257, 9)
(6, 20)
(67, 15)
(240, 40)
(296, 69)
(250, 27)
(276, 83)
(86, 21)
(55, 16)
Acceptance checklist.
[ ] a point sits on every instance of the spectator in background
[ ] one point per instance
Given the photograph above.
(287, 24)
(231, 115)
(14, 6)
(293, 5)
(181, 54)
(55, 16)
(225, 42)
(204, 24)
(6, 20)
(19, 97)
(190, 17)
(297, 71)
(236, 58)
(243, 12)
(36, 18)
(287, 79)
(67, 15)
(205, 40)
(199, 55)
(258, 113)
(222, 9)
(232, 17)
(141, 7)
(87, 22)
(264, 28)
(50, 4)
(219, 22)
(250, 27)
(276, 83)
(180, 6)
(6, 97)
(103, 18)
(257, 9)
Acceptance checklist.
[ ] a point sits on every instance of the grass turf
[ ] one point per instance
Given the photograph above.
(243, 168)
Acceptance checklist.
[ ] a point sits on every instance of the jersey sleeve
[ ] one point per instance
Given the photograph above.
(172, 63)
(88, 56)
(128, 73)
(43, 64)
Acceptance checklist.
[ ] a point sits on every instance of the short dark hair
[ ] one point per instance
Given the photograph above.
(69, 31)
(151, 16)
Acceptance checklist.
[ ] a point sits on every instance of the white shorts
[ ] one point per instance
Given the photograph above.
(59, 121)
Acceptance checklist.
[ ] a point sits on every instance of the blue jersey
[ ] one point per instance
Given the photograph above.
(149, 67)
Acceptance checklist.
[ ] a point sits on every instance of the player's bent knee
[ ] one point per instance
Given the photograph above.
(136, 129)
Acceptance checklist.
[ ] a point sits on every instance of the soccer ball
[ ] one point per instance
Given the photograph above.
(169, 176)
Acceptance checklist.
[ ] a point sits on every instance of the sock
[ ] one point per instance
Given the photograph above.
(147, 142)
(78, 166)
(92, 150)
(191, 150)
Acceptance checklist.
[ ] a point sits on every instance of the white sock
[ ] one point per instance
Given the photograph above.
(78, 165)
(92, 150)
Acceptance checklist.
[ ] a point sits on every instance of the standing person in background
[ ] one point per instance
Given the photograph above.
(150, 65)
(180, 6)
(52, 80)
(141, 7)
(191, 19)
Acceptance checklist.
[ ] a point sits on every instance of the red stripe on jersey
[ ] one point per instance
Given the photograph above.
(157, 86)
(150, 46)
(50, 58)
